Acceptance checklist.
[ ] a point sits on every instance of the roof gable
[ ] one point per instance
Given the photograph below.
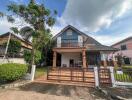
(69, 27)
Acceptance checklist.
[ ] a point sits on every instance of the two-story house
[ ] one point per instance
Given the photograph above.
(125, 51)
(17, 57)
(76, 49)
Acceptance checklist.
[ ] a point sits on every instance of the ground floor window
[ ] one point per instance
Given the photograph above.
(93, 58)
(127, 61)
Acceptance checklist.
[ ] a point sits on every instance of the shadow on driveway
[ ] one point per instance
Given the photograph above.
(61, 90)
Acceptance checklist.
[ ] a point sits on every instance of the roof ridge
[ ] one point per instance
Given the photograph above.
(126, 39)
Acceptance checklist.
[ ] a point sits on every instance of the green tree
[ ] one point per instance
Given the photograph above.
(28, 56)
(13, 48)
(39, 18)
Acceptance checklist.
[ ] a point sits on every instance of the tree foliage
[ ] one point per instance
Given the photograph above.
(14, 47)
(28, 57)
(40, 20)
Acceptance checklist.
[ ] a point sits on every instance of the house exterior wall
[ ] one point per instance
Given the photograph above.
(74, 35)
(13, 60)
(128, 52)
(127, 43)
(65, 58)
(72, 40)
(125, 53)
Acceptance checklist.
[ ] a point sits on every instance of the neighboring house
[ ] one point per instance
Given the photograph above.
(25, 45)
(76, 49)
(125, 51)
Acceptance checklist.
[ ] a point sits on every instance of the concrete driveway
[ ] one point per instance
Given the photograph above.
(39, 91)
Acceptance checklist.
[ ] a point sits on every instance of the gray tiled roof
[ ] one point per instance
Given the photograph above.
(92, 44)
(100, 48)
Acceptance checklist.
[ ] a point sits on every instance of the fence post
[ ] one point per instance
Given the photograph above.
(112, 76)
(33, 72)
(96, 76)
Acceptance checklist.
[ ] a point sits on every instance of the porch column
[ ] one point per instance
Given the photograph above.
(84, 58)
(54, 59)
(103, 59)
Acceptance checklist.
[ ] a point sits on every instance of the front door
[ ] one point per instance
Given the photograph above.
(71, 62)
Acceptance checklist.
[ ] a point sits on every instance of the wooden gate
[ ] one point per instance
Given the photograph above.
(104, 77)
(83, 75)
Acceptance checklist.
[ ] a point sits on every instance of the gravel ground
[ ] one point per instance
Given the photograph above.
(39, 91)
(122, 92)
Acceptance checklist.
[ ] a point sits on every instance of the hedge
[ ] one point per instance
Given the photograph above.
(12, 71)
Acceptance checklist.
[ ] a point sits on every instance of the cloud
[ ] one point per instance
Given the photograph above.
(5, 25)
(92, 15)
(110, 39)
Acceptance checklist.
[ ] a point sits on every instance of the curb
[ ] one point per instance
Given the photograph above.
(13, 85)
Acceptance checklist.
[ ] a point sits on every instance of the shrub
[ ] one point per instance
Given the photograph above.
(12, 71)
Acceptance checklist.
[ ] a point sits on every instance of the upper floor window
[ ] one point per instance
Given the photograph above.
(69, 32)
(123, 47)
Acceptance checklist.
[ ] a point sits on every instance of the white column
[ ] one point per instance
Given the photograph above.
(112, 76)
(33, 72)
(59, 42)
(103, 58)
(96, 76)
(80, 40)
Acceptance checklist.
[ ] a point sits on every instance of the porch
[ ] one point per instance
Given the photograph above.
(69, 57)
(81, 58)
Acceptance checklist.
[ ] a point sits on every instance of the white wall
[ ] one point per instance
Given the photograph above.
(13, 60)
(65, 58)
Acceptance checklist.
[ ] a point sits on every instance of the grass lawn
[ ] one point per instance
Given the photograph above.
(40, 71)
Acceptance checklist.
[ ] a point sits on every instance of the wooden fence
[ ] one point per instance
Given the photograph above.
(71, 74)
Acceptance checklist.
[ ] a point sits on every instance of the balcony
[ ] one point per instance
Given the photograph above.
(70, 44)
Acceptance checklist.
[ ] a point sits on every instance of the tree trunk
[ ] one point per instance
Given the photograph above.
(33, 56)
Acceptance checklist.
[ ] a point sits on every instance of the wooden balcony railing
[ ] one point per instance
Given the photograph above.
(71, 44)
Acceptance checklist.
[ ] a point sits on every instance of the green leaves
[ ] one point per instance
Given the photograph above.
(10, 19)
(28, 55)
(14, 47)
(27, 32)
(39, 18)
(50, 21)
(11, 71)
(15, 30)
(13, 8)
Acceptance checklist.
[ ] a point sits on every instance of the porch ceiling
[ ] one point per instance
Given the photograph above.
(69, 49)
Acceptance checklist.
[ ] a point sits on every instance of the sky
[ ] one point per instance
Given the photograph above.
(108, 21)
